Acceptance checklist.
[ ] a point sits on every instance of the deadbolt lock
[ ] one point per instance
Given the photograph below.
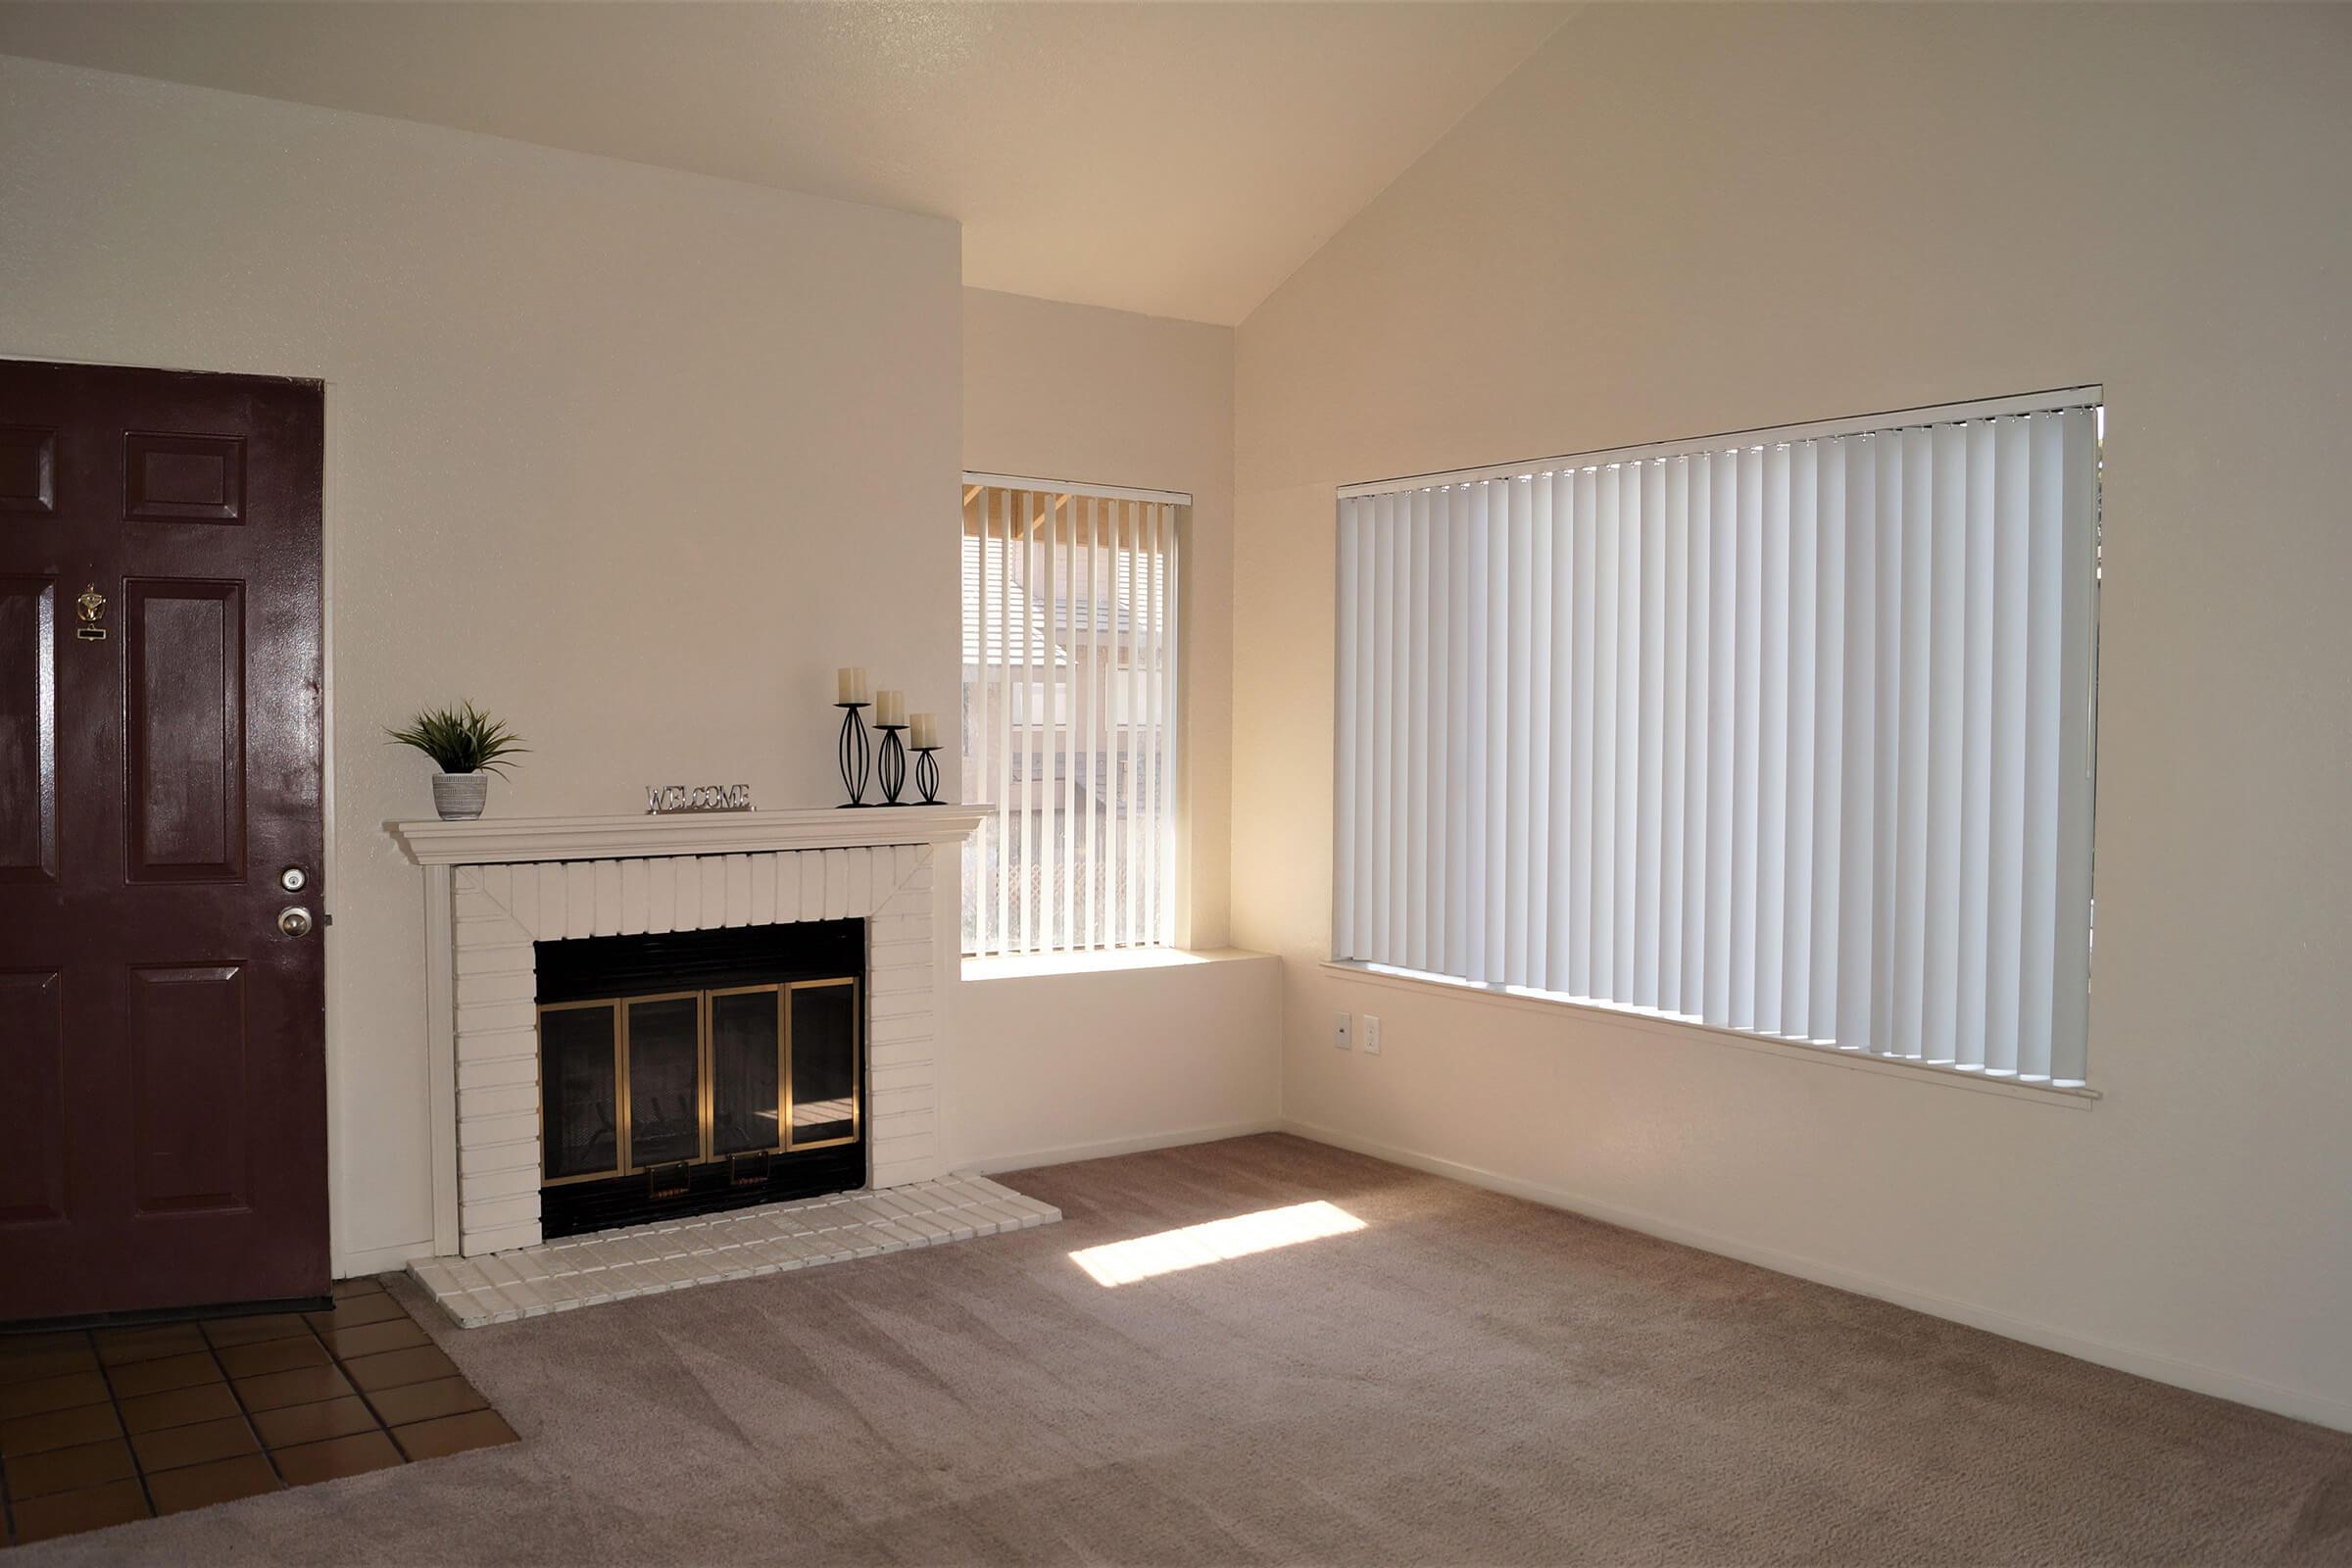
(293, 879)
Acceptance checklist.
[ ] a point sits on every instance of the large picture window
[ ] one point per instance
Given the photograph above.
(1787, 733)
(1069, 715)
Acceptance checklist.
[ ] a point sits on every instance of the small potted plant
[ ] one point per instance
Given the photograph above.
(468, 746)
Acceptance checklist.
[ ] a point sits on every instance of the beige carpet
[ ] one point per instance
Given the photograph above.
(1467, 1379)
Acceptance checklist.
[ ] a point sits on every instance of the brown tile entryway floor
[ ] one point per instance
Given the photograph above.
(102, 1426)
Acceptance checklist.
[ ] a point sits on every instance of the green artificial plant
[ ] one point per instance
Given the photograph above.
(461, 740)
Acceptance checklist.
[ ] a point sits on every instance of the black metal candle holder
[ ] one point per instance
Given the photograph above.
(926, 773)
(890, 766)
(856, 754)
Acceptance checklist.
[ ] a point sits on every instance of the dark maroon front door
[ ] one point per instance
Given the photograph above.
(163, 1083)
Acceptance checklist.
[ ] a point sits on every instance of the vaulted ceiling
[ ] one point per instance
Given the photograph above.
(1174, 159)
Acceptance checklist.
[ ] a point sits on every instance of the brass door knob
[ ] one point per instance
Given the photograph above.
(294, 923)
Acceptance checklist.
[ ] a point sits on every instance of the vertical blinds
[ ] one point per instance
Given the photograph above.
(1786, 733)
(1069, 702)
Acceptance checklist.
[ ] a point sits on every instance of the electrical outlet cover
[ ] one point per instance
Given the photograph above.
(1371, 1035)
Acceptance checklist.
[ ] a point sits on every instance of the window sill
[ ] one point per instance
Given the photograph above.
(1026, 966)
(2075, 1097)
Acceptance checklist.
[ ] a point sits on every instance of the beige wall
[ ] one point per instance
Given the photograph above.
(1077, 1064)
(1059, 1065)
(632, 459)
(1678, 220)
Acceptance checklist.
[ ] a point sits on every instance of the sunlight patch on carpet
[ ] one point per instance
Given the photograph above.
(1125, 1262)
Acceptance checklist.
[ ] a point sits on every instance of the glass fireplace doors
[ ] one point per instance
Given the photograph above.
(645, 1085)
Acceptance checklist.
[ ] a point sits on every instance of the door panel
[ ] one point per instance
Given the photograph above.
(188, 1087)
(184, 745)
(32, 1084)
(28, 729)
(163, 1083)
(186, 478)
(27, 468)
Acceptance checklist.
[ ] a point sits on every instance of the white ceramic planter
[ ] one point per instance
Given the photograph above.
(458, 796)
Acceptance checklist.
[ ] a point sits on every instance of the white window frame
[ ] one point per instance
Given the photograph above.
(1426, 760)
(1120, 712)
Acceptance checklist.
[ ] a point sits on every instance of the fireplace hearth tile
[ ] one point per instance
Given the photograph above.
(648, 1278)
(521, 1292)
(772, 1239)
(494, 1303)
(781, 1253)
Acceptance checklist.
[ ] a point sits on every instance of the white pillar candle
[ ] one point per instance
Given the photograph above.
(890, 706)
(925, 729)
(851, 681)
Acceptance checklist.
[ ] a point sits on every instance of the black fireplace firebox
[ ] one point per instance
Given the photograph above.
(699, 1070)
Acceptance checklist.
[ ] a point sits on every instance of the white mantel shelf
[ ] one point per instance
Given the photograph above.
(509, 840)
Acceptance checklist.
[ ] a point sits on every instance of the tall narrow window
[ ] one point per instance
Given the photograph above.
(1069, 714)
(1788, 733)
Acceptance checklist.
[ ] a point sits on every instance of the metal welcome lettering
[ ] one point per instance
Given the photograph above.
(670, 800)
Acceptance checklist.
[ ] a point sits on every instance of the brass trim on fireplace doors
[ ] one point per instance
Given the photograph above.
(857, 1084)
(625, 1150)
(705, 1077)
(621, 1079)
(627, 1116)
(783, 1068)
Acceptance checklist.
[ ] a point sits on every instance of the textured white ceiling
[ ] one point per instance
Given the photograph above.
(1176, 159)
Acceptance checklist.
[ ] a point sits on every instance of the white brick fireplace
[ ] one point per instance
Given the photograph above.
(495, 887)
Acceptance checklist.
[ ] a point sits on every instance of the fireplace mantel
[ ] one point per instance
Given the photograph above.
(509, 840)
(496, 886)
